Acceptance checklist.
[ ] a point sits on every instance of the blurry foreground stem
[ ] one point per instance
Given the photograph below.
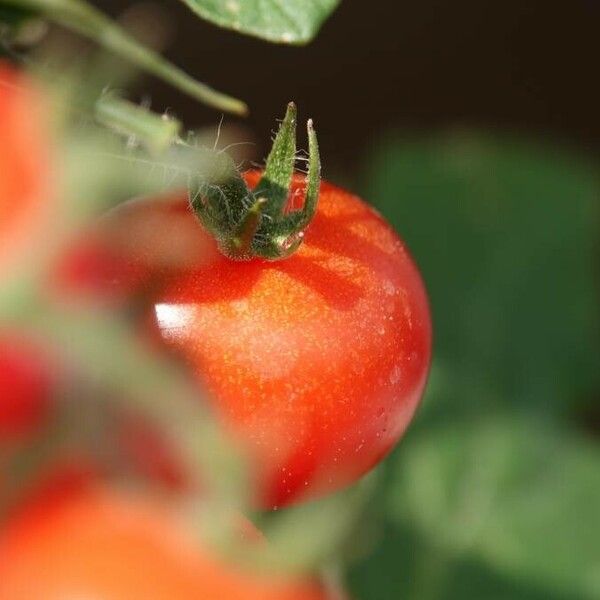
(88, 21)
(156, 132)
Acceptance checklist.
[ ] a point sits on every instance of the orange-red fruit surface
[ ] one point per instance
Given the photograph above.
(25, 173)
(316, 362)
(99, 544)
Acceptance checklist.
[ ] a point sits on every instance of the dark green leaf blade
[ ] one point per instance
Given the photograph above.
(519, 495)
(279, 21)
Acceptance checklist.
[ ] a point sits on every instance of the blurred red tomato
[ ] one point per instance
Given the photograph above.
(145, 450)
(108, 546)
(26, 385)
(25, 173)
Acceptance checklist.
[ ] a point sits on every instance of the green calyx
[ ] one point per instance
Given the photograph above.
(258, 223)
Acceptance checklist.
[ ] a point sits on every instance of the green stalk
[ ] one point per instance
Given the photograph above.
(249, 224)
(88, 21)
(156, 132)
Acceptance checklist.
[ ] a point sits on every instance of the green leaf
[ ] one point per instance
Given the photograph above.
(303, 538)
(520, 496)
(405, 565)
(279, 21)
(505, 232)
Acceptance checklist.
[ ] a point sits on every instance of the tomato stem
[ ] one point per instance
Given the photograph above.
(156, 132)
(258, 223)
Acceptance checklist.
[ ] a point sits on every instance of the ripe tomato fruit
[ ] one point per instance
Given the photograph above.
(110, 546)
(145, 450)
(24, 165)
(316, 362)
(26, 384)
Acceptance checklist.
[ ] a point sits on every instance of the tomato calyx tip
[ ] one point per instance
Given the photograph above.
(259, 223)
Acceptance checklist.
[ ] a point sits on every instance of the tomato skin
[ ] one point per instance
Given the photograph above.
(27, 382)
(147, 452)
(113, 546)
(25, 174)
(26, 386)
(316, 362)
(26, 377)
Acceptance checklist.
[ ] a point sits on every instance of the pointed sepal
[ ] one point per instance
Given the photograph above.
(257, 224)
(279, 169)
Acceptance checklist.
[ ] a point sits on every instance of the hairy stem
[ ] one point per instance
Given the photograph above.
(88, 21)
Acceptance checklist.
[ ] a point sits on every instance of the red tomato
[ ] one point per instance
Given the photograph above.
(98, 544)
(26, 385)
(147, 452)
(24, 165)
(316, 362)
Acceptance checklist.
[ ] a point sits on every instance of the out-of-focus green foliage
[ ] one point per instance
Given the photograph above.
(495, 492)
(521, 497)
(289, 22)
(14, 24)
(13, 16)
(504, 233)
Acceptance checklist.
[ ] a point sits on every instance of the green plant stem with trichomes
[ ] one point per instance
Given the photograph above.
(88, 21)
(156, 132)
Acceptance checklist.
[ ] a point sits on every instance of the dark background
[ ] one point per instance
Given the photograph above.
(518, 65)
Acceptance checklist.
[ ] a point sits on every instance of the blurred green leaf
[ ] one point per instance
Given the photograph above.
(284, 22)
(504, 232)
(518, 495)
(406, 566)
(18, 28)
(13, 16)
(306, 536)
(471, 579)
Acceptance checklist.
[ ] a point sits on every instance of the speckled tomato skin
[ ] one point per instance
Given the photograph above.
(25, 174)
(316, 362)
(102, 544)
(319, 360)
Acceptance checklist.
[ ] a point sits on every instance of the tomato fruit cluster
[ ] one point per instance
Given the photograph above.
(314, 364)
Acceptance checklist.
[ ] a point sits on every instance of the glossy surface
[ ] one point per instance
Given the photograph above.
(316, 362)
(100, 545)
(24, 166)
